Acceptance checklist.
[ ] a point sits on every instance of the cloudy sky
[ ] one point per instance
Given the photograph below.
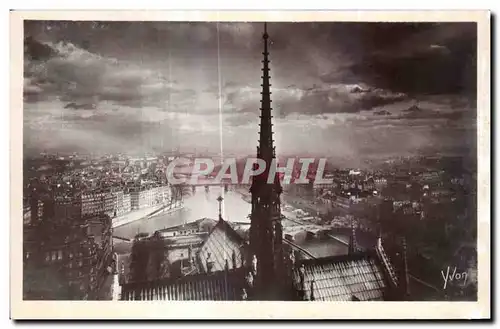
(347, 90)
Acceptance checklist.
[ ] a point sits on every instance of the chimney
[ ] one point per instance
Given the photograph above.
(210, 264)
(233, 258)
(292, 258)
(249, 280)
(379, 229)
(404, 275)
(254, 265)
(312, 291)
(302, 286)
(302, 271)
(352, 239)
(242, 254)
(244, 295)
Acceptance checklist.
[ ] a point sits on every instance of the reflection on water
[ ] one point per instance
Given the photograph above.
(199, 205)
(325, 248)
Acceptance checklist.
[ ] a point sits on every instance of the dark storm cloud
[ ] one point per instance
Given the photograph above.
(75, 106)
(318, 99)
(434, 110)
(144, 37)
(421, 58)
(432, 114)
(36, 50)
(77, 76)
(401, 59)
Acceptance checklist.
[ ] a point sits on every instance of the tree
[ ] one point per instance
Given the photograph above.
(139, 260)
(149, 259)
(158, 264)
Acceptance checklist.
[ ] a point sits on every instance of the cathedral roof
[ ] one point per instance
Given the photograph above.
(343, 278)
(222, 245)
(222, 285)
(358, 277)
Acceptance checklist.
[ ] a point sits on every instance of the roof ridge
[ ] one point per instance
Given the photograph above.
(184, 279)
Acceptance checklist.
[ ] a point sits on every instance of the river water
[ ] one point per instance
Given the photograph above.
(204, 204)
(199, 204)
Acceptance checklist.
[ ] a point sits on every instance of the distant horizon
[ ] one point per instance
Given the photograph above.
(215, 154)
(332, 163)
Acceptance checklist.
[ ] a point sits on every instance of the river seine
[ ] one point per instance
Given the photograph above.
(200, 204)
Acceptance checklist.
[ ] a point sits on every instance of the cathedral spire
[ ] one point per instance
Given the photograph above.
(266, 149)
(266, 231)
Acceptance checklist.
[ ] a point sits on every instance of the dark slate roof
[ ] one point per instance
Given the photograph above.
(223, 285)
(222, 244)
(363, 276)
(345, 278)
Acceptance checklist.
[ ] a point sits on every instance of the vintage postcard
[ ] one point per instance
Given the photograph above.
(293, 163)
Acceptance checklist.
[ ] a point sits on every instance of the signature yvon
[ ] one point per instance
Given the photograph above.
(454, 276)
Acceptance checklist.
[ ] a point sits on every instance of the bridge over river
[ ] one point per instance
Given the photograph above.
(210, 183)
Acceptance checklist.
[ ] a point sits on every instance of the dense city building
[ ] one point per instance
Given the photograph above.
(66, 257)
(147, 196)
(123, 204)
(97, 202)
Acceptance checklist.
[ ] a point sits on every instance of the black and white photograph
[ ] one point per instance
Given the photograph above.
(249, 161)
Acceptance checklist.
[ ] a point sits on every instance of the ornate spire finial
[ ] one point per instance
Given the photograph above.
(220, 199)
(266, 133)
